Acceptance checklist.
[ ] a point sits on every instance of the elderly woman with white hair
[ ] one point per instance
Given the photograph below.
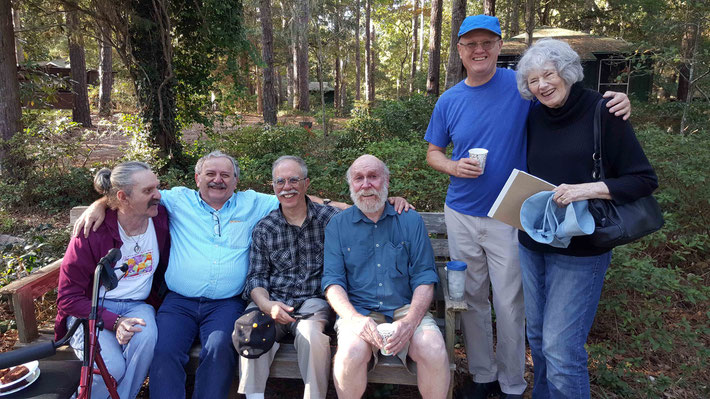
(562, 286)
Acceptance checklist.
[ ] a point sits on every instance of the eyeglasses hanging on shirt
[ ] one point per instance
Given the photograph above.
(217, 227)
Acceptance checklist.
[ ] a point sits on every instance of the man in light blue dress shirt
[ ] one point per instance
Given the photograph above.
(379, 267)
(209, 258)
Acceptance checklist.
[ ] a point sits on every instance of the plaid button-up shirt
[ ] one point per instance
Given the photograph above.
(287, 260)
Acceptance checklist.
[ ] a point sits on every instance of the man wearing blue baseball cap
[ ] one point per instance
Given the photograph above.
(486, 111)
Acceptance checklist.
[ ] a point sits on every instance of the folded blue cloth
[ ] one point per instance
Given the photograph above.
(547, 223)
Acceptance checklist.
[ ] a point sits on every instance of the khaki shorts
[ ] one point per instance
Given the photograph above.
(427, 323)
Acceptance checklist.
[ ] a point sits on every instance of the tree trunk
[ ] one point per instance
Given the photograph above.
(343, 92)
(454, 69)
(415, 44)
(267, 53)
(320, 81)
(690, 37)
(287, 27)
(153, 75)
(421, 37)
(358, 58)
(338, 78)
(303, 13)
(259, 90)
(368, 53)
(529, 20)
(371, 71)
(489, 7)
(80, 107)
(105, 69)
(695, 30)
(432, 84)
(17, 22)
(515, 19)
(546, 9)
(10, 110)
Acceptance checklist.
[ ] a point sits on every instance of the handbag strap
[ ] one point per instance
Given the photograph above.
(598, 172)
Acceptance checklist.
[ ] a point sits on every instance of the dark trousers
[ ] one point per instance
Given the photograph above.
(180, 319)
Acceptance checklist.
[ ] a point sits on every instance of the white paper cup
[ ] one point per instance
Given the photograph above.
(479, 154)
(386, 330)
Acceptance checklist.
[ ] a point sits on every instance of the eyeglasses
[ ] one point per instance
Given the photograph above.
(217, 227)
(280, 182)
(486, 45)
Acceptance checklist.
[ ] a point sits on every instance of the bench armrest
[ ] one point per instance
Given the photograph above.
(22, 294)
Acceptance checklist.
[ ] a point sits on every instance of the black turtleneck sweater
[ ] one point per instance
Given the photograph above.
(560, 148)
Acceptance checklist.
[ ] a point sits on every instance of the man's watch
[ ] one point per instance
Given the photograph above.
(327, 201)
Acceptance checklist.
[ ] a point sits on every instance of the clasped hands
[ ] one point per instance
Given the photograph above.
(366, 329)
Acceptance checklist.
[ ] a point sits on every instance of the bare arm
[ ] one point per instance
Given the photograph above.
(404, 328)
(464, 167)
(365, 327)
(567, 193)
(92, 218)
(336, 204)
(279, 311)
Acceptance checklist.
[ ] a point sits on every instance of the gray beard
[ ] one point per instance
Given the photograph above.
(370, 206)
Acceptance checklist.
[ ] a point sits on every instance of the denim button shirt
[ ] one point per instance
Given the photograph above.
(378, 264)
(209, 256)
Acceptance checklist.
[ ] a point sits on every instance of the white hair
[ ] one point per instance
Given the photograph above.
(548, 51)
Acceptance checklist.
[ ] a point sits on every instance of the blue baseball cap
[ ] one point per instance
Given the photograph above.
(481, 21)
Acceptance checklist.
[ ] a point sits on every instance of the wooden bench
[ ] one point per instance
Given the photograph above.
(389, 370)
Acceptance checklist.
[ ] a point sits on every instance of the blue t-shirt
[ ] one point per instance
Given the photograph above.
(491, 116)
(205, 260)
(378, 264)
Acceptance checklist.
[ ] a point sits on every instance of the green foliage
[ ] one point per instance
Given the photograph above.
(650, 334)
(405, 119)
(51, 147)
(210, 39)
(44, 245)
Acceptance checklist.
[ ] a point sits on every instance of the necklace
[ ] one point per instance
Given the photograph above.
(137, 247)
(136, 241)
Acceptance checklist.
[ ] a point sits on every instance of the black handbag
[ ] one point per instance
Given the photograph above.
(619, 224)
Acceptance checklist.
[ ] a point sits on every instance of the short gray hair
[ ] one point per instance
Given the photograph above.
(385, 169)
(565, 60)
(298, 160)
(217, 154)
(108, 182)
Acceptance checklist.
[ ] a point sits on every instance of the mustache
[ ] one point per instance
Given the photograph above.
(369, 191)
(153, 202)
(292, 191)
(217, 185)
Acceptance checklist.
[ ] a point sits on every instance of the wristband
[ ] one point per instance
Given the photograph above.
(115, 323)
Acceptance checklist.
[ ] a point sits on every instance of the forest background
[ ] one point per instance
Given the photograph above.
(182, 77)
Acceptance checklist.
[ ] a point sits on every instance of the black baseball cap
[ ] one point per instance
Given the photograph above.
(254, 333)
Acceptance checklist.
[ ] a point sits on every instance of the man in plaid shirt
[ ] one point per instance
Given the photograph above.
(285, 269)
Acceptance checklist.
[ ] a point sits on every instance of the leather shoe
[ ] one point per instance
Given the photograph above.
(482, 390)
(504, 395)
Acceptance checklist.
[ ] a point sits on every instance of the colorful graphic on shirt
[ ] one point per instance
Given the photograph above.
(139, 264)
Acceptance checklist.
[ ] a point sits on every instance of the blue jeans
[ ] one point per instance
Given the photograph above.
(561, 297)
(128, 364)
(180, 320)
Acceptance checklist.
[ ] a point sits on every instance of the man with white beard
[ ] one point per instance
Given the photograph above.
(379, 268)
(285, 268)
